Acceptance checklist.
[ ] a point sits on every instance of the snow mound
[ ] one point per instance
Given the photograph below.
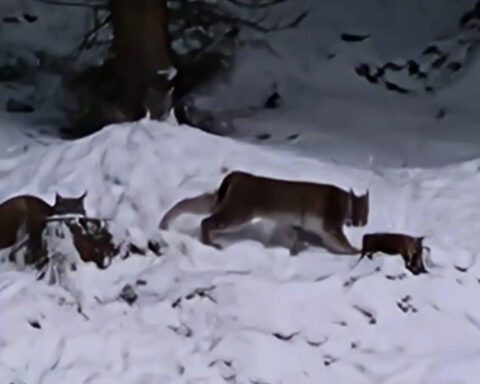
(250, 313)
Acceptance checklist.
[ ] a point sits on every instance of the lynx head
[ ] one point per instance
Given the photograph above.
(69, 205)
(415, 261)
(418, 243)
(360, 209)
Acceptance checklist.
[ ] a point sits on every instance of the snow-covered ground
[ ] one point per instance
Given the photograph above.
(250, 313)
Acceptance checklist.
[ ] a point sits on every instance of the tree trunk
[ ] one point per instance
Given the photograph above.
(142, 59)
(137, 78)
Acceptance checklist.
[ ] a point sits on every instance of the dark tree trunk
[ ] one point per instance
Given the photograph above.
(136, 79)
(141, 57)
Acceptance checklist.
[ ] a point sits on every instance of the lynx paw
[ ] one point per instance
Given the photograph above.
(297, 248)
(216, 246)
(212, 244)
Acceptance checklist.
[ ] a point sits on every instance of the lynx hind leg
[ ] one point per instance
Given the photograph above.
(363, 255)
(221, 220)
(294, 241)
(207, 227)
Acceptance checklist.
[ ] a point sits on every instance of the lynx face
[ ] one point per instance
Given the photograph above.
(69, 205)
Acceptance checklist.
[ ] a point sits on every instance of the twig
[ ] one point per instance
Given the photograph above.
(74, 4)
(66, 218)
(265, 4)
(88, 36)
(213, 14)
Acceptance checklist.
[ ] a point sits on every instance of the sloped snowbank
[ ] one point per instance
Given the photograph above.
(249, 313)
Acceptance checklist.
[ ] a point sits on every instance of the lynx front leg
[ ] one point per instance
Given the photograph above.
(336, 242)
(332, 236)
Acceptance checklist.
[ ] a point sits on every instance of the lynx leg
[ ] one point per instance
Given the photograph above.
(35, 246)
(407, 258)
(368, 255)
(332, 236)
(364, 253)
(220, 221)
(208, 225)
(336, 242)
(294, 241)
(408, 261)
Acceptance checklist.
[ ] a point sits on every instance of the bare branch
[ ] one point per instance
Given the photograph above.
(75, 4)
(258, 5)
(295, 23)
(257, 24)
(206, 14)
(90, 37)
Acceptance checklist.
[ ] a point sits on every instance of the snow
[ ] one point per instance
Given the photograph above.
(327, 110)
(333, 113)
(249, 313)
